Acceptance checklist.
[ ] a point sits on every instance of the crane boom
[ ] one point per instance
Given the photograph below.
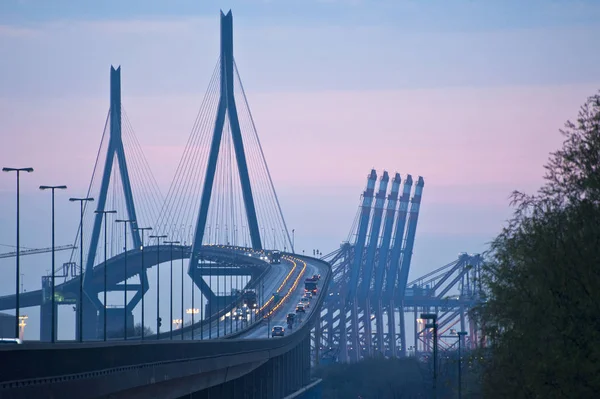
(37, 251)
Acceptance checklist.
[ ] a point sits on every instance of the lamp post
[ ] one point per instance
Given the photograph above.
(293, 241)
(53, 328)
(158, 283)
(182, 288)
(433, 324)
(80, 310)
(105, 256)
(125, 288)
(18, 274)
(142, 229)
(460, 335)
(171, 290)
(193, 302)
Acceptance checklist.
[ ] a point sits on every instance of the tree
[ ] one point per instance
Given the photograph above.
(374, 378)
(131, 332)
(542, 279)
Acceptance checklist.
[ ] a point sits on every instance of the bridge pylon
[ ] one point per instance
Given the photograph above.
(115, 150)
(226, 108)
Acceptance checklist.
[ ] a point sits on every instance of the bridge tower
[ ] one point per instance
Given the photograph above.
(92, 306)
(226, 109)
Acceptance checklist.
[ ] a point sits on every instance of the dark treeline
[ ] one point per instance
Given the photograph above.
(407, 378)
(542, 279)
(376, 378)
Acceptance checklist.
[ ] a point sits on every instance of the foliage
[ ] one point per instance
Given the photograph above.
(378, 377)
(131, 332)
(543, 278)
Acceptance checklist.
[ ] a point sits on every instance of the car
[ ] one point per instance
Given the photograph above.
(316, 276)
(278, 331)
(306, 302)
(10, 341)
(300, 308)
(291, 317)
(308, 295)
(239, 314)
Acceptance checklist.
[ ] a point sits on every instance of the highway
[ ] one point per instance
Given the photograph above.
(287, 278)
(278, 318)
(225, 325)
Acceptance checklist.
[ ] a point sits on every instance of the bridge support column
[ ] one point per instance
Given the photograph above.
(46, 321)
(90, 321)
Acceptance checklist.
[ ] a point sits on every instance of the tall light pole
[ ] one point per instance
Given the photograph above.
(105, 265)
(80, 310)
(433, 324)
(142, 229)
(125, 290)
(171, 290)
(158, 283)
(53, 332)
(460, 334)
(193, 302)
(293, 241)
(182, 290)
(18, 170)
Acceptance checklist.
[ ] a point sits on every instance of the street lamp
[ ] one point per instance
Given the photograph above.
(433, 324)
(142, 229)
(293, 241)
(182, 272)
(460, 335)
(125, 288)
(22, 325)
(53, 332)
(105, 256)
(171, 290)
(81, 201)
(158, 283)
(18, 170)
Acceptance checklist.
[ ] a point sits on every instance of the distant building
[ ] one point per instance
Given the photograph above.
(7, 325)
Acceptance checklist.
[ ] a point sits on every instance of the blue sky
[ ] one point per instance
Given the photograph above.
(469, 94)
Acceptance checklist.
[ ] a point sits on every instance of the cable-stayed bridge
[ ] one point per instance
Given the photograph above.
(218, 231)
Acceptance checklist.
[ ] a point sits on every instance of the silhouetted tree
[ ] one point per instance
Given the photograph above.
(377, 377)
(542, 280)
(134, 332)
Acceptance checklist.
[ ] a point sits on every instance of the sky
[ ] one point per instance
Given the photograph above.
(468, 94)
